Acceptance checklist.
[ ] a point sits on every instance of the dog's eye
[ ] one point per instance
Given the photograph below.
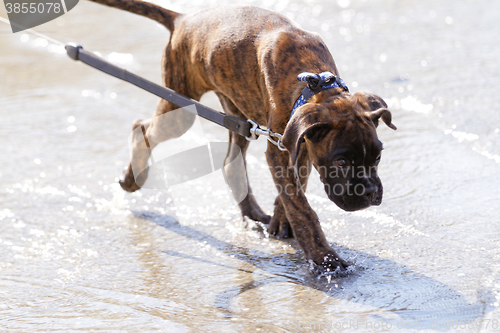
(341, 163)
(378, 159)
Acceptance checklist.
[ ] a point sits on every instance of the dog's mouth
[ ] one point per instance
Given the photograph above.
(355, 198)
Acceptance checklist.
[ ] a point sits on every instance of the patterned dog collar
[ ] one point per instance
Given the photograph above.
(315, 84)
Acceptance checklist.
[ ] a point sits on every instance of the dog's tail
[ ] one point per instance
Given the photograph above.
(152, 11)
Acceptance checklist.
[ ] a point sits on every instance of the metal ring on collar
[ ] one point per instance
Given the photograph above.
(256, 131)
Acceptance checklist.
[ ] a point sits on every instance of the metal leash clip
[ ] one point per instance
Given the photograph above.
(256, 131)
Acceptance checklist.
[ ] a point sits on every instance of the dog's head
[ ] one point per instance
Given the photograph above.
(338, 132)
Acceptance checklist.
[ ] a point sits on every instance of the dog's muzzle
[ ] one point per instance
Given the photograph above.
(355, 196)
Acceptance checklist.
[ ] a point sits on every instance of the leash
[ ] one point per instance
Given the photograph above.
(247, 128)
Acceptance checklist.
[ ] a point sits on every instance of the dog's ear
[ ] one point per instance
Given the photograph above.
(370, 102)
(313, 123)
(376, 108)
(383, 113)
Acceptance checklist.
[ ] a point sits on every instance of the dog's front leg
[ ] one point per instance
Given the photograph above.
(279, 225)
(303, 220)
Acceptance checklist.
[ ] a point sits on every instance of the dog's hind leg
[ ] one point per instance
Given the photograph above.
(163, 126)
(236, 177)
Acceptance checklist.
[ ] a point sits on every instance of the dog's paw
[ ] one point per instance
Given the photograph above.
(331, 262)
(128, 184)
(262, 217)
(280, 228)
(250, 209)
(335, 263)
(265, 219)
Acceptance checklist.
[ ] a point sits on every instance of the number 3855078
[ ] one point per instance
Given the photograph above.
(33, 8)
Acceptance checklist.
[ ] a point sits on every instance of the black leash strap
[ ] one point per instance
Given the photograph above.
(240, 126)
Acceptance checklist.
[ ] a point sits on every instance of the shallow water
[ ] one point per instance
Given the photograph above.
(79, 254)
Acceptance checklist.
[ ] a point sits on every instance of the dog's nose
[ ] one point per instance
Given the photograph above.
(370, 191)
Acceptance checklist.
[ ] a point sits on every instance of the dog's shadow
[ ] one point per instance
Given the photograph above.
(406, 296)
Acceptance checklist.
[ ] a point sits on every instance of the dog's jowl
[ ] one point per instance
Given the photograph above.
(263, 67)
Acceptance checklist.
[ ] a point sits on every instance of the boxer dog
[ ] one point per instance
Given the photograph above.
(251, 58)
